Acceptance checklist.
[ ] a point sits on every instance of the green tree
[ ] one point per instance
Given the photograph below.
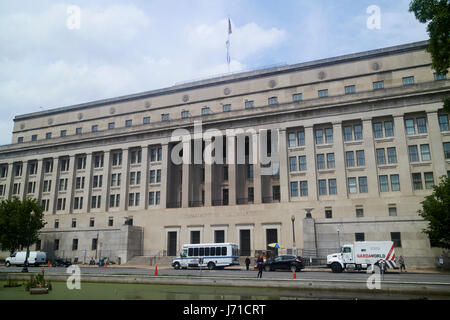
(436, 210)
(437, 14)
(15, 223)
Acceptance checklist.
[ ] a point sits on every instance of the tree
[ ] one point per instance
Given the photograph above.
(15, 223)
(437, 14)
(436, 210)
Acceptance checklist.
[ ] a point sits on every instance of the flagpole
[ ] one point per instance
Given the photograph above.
(228, 44)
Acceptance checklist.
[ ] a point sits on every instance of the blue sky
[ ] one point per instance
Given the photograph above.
(124, 47)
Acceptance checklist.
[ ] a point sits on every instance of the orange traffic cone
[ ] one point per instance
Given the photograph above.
(294, 276)
(48, 264)
(156, 270)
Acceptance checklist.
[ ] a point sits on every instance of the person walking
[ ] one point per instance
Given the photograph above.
(247, 262)
(382, 265)
(401, 261)
(260, 263)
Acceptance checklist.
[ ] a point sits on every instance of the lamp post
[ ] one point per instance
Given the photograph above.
(339, 239)
(25, 264)
(293, 235)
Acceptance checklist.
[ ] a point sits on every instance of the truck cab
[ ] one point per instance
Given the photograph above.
(338, 261)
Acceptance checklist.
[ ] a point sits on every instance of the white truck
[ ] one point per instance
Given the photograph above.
(362, 255)
(35, 258)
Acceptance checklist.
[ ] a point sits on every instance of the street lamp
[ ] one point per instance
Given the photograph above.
(25, 265)
(293, 235)
(339, 239)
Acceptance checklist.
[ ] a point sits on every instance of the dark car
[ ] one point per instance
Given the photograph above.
(285, 262)
(59, 262)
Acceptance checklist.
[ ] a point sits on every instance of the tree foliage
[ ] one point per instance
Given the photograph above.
(437, 14)
(15, 223)
(436, 210)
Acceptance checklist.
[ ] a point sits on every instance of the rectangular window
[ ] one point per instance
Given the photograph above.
(249, 104)
(360, 158)
(158, 197)
(292, 164)
(250, 194)
(384, 185)
(273, 100)
(128, 123)
(392, 155)
(408, 80)
(410, 127)
(363, 188)
(184, 114)
(294, 189)
(417, 181)
(81, 163)
(381, 156)
(349, 159)
(378, 85)
(350, 89)
(301, 138)
(388, 129)
(146, 120)
(136, 156)
(392, 211)
(322, 187)
(34, 137)
(358, 132)
(446, 146)
(98, 161)
(206, 111)
(421, 125)
(117, 159)
(359, 236)
(332, 186)
(323, 93)
(91, 222)
(165, 117)
(425, 152)
(63, 133)
(320, 161)
(439, 76)
(395, 182)
(302, 163)
(443, 122)
(429, 180)
(74, 244)
(48, 135)
(226, 107)
(359, 212)
(330, 161)
(111, 125)
(319, 136)
(348, 135)
(413, 154)
(328, 135)
(94, 128)
(110, 221)
(291, 139)
(378, 130)
(352, 185)
(328, 214)
(297, 97)
(303, 188)
(396, 239)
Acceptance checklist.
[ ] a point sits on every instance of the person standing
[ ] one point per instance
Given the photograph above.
(260, 263)
(247, 262)
(382, 265)
(401, 261)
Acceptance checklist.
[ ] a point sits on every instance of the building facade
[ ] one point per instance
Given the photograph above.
(356, 142)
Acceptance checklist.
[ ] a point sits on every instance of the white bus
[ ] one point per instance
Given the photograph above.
(210, 255)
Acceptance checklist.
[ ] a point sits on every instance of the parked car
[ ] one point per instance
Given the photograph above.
(284, 262)
(59, 262)
(35, 258)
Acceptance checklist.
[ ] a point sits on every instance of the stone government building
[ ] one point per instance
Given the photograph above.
(362, 138)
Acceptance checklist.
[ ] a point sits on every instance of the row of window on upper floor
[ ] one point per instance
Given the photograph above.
(227, 107)
(354, 132)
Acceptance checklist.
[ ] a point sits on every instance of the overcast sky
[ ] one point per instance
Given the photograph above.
(124, 47)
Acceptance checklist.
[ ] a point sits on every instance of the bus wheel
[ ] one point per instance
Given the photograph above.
(211, 266)
(176, 266)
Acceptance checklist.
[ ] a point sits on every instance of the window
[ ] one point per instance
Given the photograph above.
(408, 80)
(78, 203)
(98, 161)
(322, 187)
(392, 155)
(165, 117)
(56, 224)
(32, 168)
(421, 125)
(56, 244)
(91, 222)
(320, 161)
(332, 187)
(226, 107)
(328, 135)
(74, 244)
(48, 135)
(94, 128)
(94, 244)
(349, 159)
(429, 180)
(301, 138)
(323, 93)
(206, 111)
(117, 158)
(360, 159)
(363, 184)
(96, 202)
(392, 211)
(328, 214)
(359, 236)
(115, 179)
(378, 130)
(250, 194)
(410, 127)
(294, 189)
(273, 100)
(250, 171)
(446, 146)
(348, 136)
(395, 182)
(78, 130)
(319, 136)
(443, 122)
(388, 129)
(31, 187)
(378, 85)
(302, 163)
(303, 188)
(249, 104)
(47, 186)
(146, 120)
(63, 133)
(133, 199)
(291, 140)
(439, 76)
(297, 97)
(62, 184)
(81, 163)
(381, 156)
(97, 181)
(350, 89)
(111, 125)
(16, 188)
(74, 223)
(114, 200)
(110, 221)
(330, 160)
(292, 163)
(358, 132)
(417, 181)
(413, 154)
(384, 185)
(425, 152)
(359, 212)
(136, 156)
(34, 137)
(184, 114)
(128, 123)
(396, 239)
(352, 185)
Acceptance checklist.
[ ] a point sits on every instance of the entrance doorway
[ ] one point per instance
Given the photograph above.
(244, 242)
(172, 243)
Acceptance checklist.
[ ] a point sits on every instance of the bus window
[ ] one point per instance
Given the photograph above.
(196, 252)
(224, 251)
(191, 252)
(202, 252)
(207, 251)
(213, 251)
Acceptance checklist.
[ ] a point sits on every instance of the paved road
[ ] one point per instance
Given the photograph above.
(241, 273)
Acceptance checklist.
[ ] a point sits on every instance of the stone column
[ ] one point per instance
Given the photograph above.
(402, 155)
(231, 161)
(369, 153)
(208, 183)
(87, 182)
(437, 151)
(284, 173)
(256, 169)
(311, 173)
(143, 204)
(341, 173)
(23, 180)
(70, 184)
(9, 181)
(124, 183)
(106, 180)
(39, 179)
(55, 185)
(164, 183)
